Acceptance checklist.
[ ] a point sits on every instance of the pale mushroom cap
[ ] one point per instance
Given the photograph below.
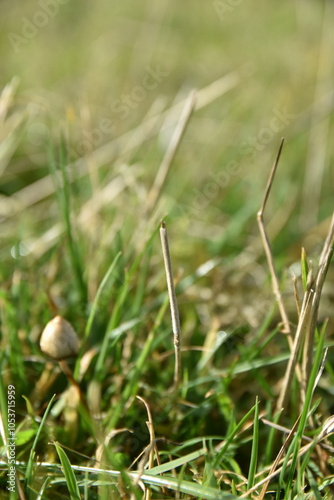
(59, 339)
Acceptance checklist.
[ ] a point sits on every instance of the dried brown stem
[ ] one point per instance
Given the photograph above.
(173, 304)
(272, 269)
(299, 337)
(324, 262)
(278, 458)
(267, 248)
(171, 151)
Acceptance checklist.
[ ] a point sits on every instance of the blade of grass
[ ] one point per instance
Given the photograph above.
(306, 407)
(177, 462)
(68, 473)
(297, 344)
(173, 305)
(122, 295)
(267, 248)
(173, 146)
(41, 494)
(279, 456)
(324, 262)
(114, 320)
(62, 188)
(175, 484)
(304, 268)
(231, 436)
(134, 376)
(98, 297)
(270, 440)
(314, 486)
(255, 446)
(30, 463)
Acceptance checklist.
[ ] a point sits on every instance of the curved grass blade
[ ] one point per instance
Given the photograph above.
(68, 473)
(255, 447)
(30, 463)
(99, 295)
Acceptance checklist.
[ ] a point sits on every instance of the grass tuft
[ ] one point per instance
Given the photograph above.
(250, 414)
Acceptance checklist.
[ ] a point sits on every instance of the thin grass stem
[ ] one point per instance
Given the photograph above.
(171, 151)
(173, 304)
(267, 248)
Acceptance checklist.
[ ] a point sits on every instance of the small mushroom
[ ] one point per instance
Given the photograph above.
(59, 339)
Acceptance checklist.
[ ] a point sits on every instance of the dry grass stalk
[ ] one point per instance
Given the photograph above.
(278, 458)
(324, 262)
(295, 291)
(171, 151)
(271, 476)
(267, 247)
(298, 341)
(327, 428)
(153, 449)
(270, 260)
(173, 304)
(307, 321)
(40, 189)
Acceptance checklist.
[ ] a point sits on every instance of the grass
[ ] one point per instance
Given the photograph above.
(241, 407)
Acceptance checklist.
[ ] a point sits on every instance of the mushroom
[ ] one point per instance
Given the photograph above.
(59, 340)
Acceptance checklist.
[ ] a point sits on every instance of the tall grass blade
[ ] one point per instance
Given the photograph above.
(100, 294)
(62, 188)
(68, 473)
(30, 463)
(306, 407)
(255, 446)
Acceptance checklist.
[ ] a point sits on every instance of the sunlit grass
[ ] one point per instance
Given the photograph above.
(80, 238)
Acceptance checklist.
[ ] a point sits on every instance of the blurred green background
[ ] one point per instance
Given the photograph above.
(78, 63)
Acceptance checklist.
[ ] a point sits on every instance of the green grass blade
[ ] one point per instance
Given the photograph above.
(94, 310)
(99, 294)
(255, 447)
(314, 487)
(41, 494)
(306, 407)
(231, 436)
(134, 376)
(68, 473)
(99, 369)
(187, 487)
(62, 188)
(270, 440)
(30, 463)
(178, 462)
(304, 268)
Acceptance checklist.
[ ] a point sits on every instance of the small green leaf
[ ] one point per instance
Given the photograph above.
(24, 437)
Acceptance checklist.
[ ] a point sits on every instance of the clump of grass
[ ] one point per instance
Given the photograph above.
(239, 425)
